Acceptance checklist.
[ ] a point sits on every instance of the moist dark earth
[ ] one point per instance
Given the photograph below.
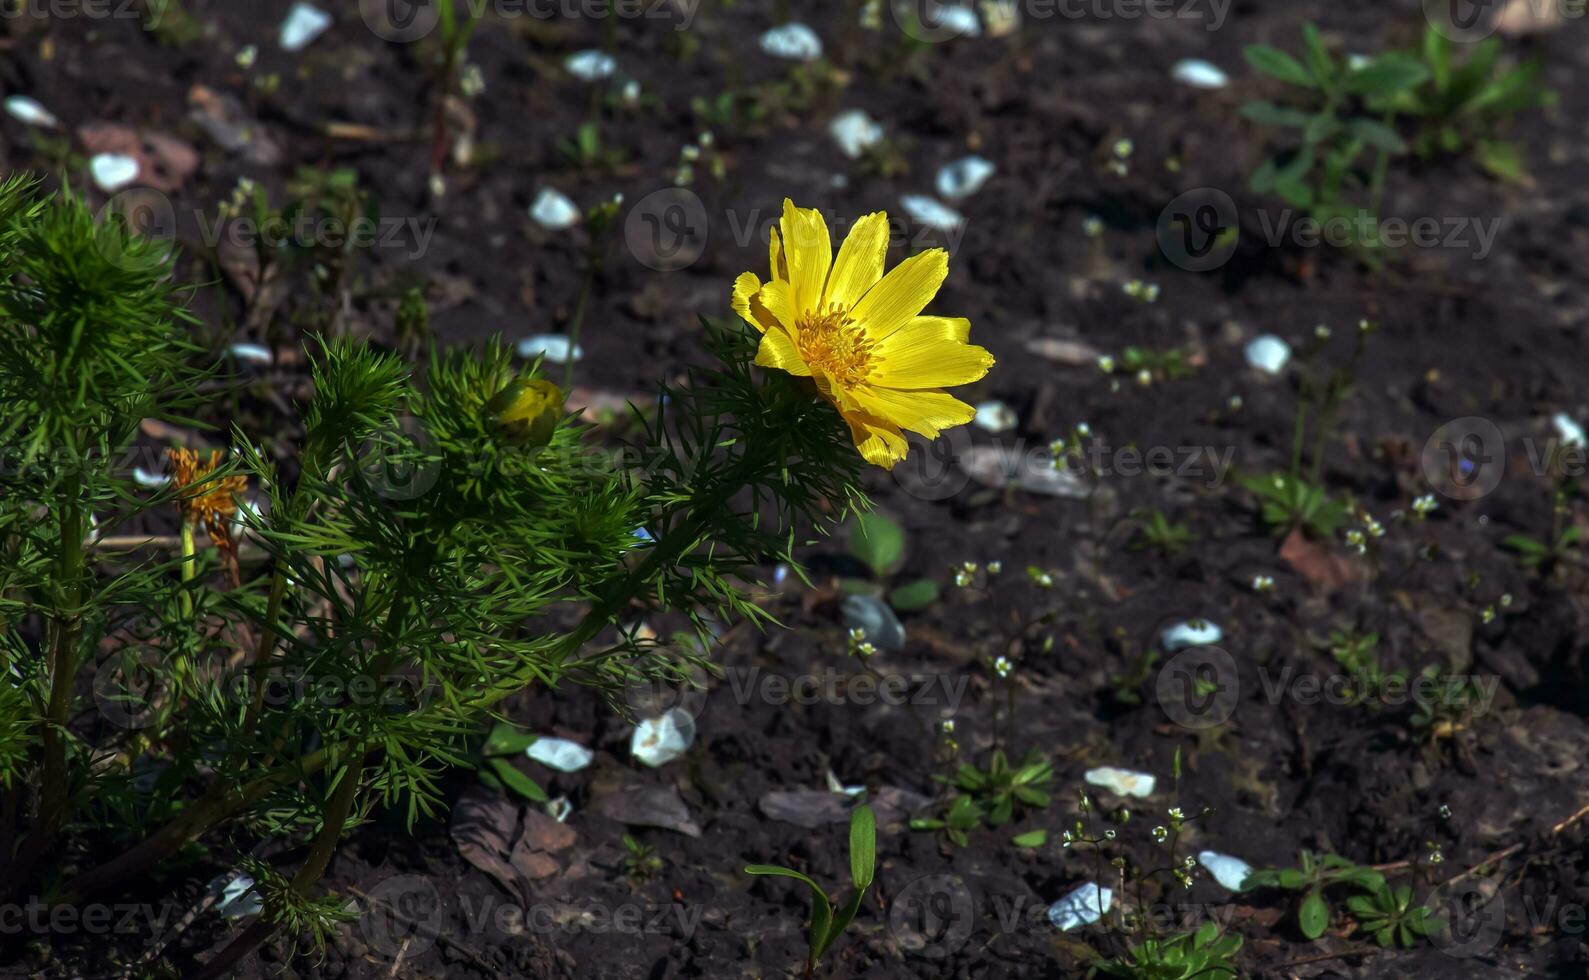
(1498, 336)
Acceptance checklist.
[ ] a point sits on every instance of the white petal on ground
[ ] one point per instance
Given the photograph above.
(855, 132)
(144, 478)
(553, 209)
(555, 348)
(558, 808)
(996, 416)
(1268, 353)
(1121, 782)
(1199, 74)
(304, 23)
(1082, 907)
(559, 754)
(30, 111)
(932, 212)
(1228, 871)
(794, 41)
(964, 177)
(591, 66)
(1568, 430)
(113, 171)
(962, 20)
(658, 741)
(239, 898)
(250, 353)
(1190, 633)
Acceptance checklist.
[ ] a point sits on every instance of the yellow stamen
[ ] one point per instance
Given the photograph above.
(834, 344)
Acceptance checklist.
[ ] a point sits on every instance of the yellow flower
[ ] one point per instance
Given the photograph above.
(526, 412)
(205, 499)
(858, 334)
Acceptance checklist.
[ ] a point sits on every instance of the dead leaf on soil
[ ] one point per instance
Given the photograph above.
(483, 828)
(224, 120)
(1318, 563)
(647, 806)
(1519, 17)
(164, 162)
(1071, 352)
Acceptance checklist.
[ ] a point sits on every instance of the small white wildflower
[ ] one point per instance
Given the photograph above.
(1160, 834)
(1106, 364)
(1092, 227)
(1355, 539)
(1123, 148)
(948, 726)
(1002, 667)
(1083, 429)
(1322, 332)
(1144, 377)
(1425, 504)
(1263, 583)
(1109, 834)
(995, 567)
(857, 635)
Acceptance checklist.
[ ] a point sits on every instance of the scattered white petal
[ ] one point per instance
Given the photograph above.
(239, 898)
(559, 754)
(558, 809)
(835, 786)
(794, 41)
(1356, 60)
(553, 346)
(552, 209)
(1082, 907)
(964, 177)
(1570, 432)
(1121, 782)
(932, 212)
(304, 23)
(30, 111)
(962, 20)
(1228, 871)
(250, 353)
(1191, 633)
(144, 478)
(658, 741)
(591, 66)
(855, 132)
(1268, 353)
(996, 416)
(1199, 74)
(113, 171)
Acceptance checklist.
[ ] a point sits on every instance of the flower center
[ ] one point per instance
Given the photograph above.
(832, 343)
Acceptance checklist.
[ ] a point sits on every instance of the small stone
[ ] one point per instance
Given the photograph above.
(1199, 74)
(559, 754)
(1268, 353)
(1190, 633)
(114, 171)
(304, 23)
(658, 741)
(883, 629)
(855, 132)
(963, 177)
(554, 347)
(932, 212)
(590, 66)
(1082, 907)
(1000, 466)
(30, 111)
(1121, 782)
(794, 41)
(1228, 871)
(553, 209)
(995, 416)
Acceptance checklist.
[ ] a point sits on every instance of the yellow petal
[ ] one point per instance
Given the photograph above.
(778, 351)
(772, 307)
(878, 442)
(775, 261)
(808, 252)
(745, 289)
(927, 412)
(860, 262)
(951, 328)
(912, 359)
(902, 293)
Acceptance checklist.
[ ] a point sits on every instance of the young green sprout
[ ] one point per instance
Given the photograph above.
(826, 924)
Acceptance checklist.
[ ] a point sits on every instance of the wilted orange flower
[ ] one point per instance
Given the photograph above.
(205, 499)
(860, 334)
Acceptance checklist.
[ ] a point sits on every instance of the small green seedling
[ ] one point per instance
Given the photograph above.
(1544, 557)
(642, 863)
(1392, 918)
(826, 925)
(1159, 533)
(878, 542)
(1358, 655)
(962, 817)
(1316, 874)
(1201, 954)
(998, 789)
(1287, 503)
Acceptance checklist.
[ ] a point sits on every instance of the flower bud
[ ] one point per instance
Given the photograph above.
(526, 412)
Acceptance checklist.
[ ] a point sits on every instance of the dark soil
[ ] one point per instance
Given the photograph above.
(1499, 337)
